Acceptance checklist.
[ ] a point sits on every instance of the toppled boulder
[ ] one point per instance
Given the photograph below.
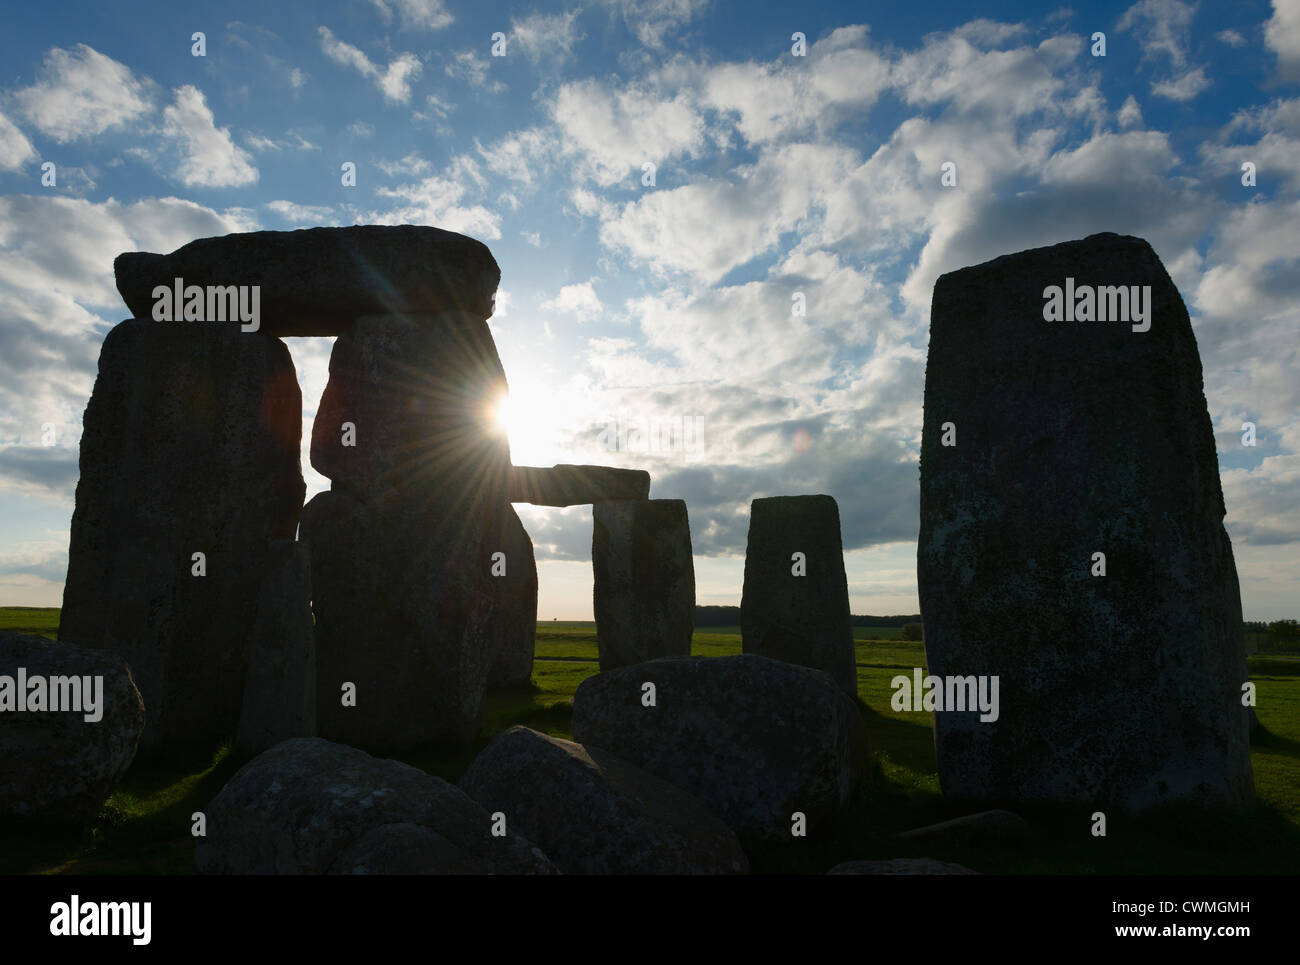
(318, 281)
(308, 806)
(593, 813)
(643, 591)
(189, 468)
(566, 485)
(70, 719)
(795, 605)
(1072, 543)
(280, 695)
(755, 739)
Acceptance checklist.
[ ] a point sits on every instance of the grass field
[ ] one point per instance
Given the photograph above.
(145, 826)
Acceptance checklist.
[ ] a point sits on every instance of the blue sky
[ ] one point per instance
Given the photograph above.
(670, 303)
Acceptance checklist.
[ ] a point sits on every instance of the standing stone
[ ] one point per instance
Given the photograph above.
(644, 589)
(512, 633)
(801, 619)
(318, 281)
(1074, 438)
(403, 602)
(755, 739)
(59, 766)
(190, 445)
(280, 696)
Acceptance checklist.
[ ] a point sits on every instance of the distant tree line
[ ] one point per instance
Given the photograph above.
(729, 616)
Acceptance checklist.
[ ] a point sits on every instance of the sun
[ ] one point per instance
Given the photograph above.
(529, 418)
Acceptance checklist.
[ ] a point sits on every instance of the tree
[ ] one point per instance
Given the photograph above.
(912, 631)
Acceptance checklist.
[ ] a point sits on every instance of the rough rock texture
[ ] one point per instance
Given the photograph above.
(643, 591)
(799, 619)
(593, 813)
(190, 444)
(307, 806)
(403, 600)
(280, 695)
(755, 739)
(1074, 438)
(512, 634)
(419, 391)
(985, 826)
(58, 766)
(319, 280)
(901, 866)
(566, 485)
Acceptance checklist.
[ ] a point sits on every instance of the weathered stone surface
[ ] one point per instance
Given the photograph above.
(420, 393)
(643, 591)
(403, 601)
(798, 619)
(566, 485)
(513, 632)
(57, 765)
(280, 695)
(190, 445)
(901, 866)
(307, 806)
(318, 281)
(593, 813)
(985, 826)
(1074, 438)
(755, 739)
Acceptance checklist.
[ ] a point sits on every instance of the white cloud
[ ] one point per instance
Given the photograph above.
(519, 155)
(416, 14)
(1232, 38)
(578, 300)
(303, 214)
(653, 20)
(394, 81)
(1282, 36)
(83, 93)
(473, 69)
(209, 158)
(546, 37)
(1130, 114)
(1184, 87)
(360, 129)
(410, 166)
(1161, 27)
(437, 201)
(534, 238)
(15, 149)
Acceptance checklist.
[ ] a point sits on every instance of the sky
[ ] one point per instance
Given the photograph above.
(659, 181)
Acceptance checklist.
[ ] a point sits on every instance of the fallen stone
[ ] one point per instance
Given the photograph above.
(58, 765)
(308, 806)
(795, 605)
(985, 826)
(280, 695)
(190, 445)
(755, 739)
(408, 408)
(318, 281)
(403, 600)
(1074, 438)
(643, 591)
(512, 634)
(592, 813)
(901, 866)
(566, 485)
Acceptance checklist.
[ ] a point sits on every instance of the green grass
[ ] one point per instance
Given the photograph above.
(145, 826)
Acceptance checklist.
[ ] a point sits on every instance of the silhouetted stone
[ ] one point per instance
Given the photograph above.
(1075, 438)
(901, 866)
(644, 587)
(280, 696)
(190, 445)
(307, 806)
(755, 739)
(799, 619)
(513, 632)
(593, 813)
(418, 393)
(317, 281)
(55, 765)
(983, 827)
(403, 598)
(566, 485)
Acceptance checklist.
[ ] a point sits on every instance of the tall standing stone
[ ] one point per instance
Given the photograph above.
(513, 631)
(795, 605)
(644, 588)
(190, 446)
(280, 696)
(1046, 443)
